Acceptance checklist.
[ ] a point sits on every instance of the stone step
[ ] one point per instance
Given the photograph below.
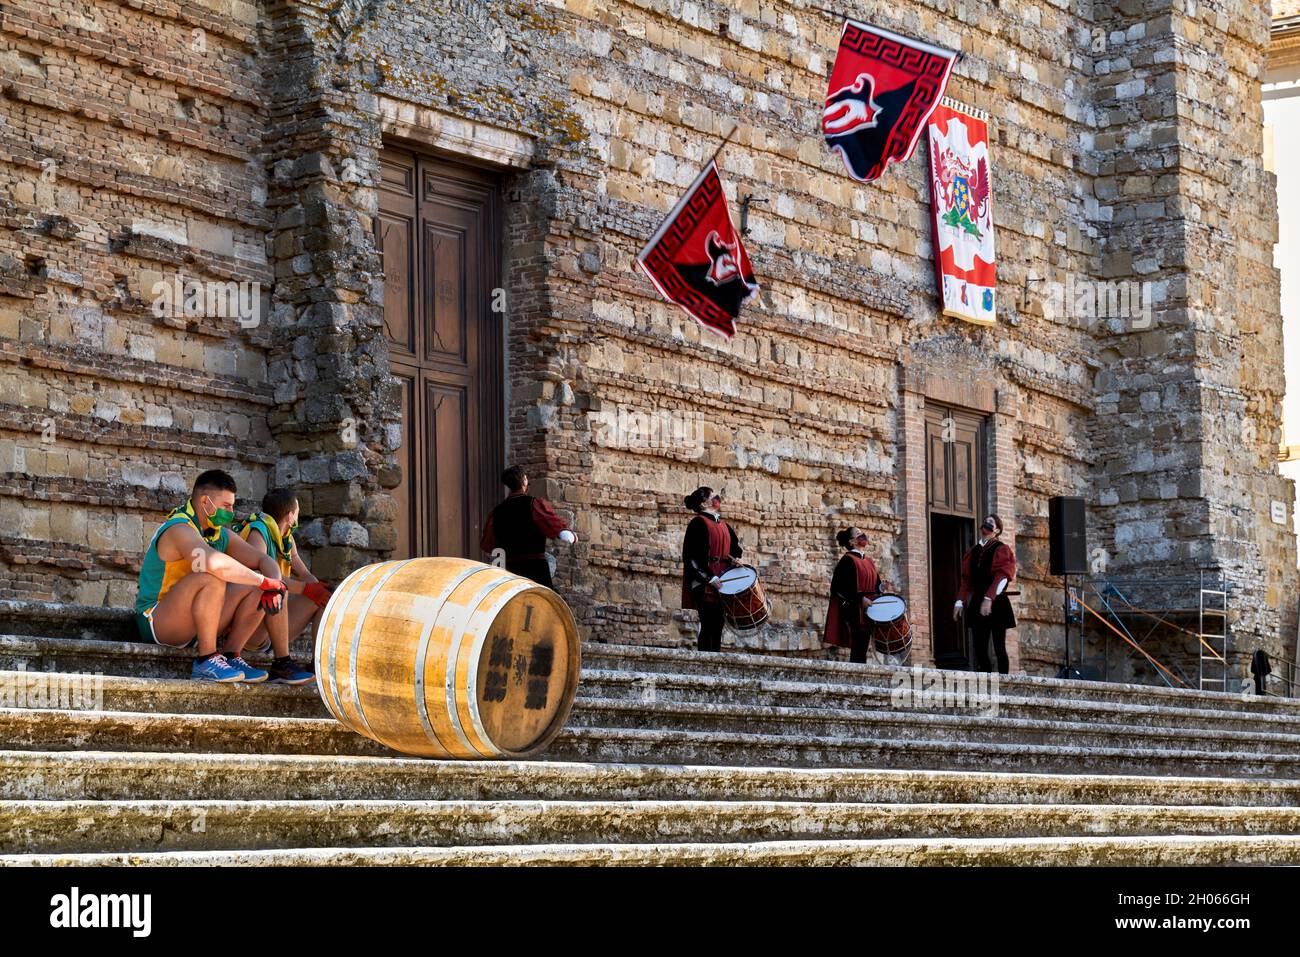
(44, 619)
(132, 659)
(56, 730)
(56, 620)
(180, 696)
(39, 690)
(110, 776)
(61, 827)
(125, 658)
(753, 749)
(917, 725)
(138, 659)
(600, 656)
(1144, 851)
(710, 689)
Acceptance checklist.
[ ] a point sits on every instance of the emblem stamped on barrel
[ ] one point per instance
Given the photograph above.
(533, 668)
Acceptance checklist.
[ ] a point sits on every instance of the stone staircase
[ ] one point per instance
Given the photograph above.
(670, 757)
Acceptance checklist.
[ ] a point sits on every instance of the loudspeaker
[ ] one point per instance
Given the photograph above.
(1069, 542)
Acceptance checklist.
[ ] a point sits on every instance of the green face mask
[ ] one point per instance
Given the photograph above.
(221, 517)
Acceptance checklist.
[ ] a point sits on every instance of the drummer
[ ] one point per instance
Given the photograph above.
(853, 586)
(709, 548)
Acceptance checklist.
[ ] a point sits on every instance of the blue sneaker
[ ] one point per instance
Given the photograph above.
(216, 668)
(251, 675)
(290, 674)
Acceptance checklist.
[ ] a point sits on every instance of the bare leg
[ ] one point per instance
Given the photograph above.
(240, 616)
(279, 627)
(304, 612)
(192, 607)
(283, 628)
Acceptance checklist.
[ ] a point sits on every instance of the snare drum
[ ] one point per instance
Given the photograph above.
(892, 633)
(743, 602)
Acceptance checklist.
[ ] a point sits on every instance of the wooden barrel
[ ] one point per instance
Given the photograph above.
(448, 658)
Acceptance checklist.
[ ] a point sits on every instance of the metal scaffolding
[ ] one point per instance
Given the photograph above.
(1144, 612)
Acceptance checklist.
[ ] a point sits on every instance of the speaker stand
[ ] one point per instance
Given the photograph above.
(1066, 671)
(1065, 608)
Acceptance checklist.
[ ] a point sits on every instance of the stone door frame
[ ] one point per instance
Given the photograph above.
(952, 373)
(453, 136)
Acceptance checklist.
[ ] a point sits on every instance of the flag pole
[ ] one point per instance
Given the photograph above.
(725, 140)
(721, 146)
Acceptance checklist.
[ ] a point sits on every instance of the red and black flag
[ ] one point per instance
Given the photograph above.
(883, 88)
(696, 258)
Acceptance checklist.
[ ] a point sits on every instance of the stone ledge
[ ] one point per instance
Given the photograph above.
(456, 135)
(108, 775)
(49, 619)
(44, 619)
(1033, 851)
(124, 826)
(89, 362)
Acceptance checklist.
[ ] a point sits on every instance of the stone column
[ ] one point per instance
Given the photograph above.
(337, 418)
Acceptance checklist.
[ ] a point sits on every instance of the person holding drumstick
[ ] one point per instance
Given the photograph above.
(853, 585)
(709, 548)
(986, 571)
(520, 526)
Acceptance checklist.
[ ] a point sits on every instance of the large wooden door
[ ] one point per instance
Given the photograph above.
(955, 492)
(438, 229)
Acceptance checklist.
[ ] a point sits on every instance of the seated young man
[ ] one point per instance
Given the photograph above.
(200, 583)
(271, 530)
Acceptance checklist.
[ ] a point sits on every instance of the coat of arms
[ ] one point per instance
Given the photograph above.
(965, 190)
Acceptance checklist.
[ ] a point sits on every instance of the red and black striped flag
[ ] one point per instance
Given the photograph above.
(883, 88)
(696, 258)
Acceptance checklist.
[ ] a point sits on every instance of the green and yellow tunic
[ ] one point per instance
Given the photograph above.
(280, 547)
(157, 576)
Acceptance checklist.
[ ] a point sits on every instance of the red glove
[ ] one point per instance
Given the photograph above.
(318, 592)
(273, 592)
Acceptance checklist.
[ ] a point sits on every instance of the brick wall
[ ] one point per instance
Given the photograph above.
(130, 157)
